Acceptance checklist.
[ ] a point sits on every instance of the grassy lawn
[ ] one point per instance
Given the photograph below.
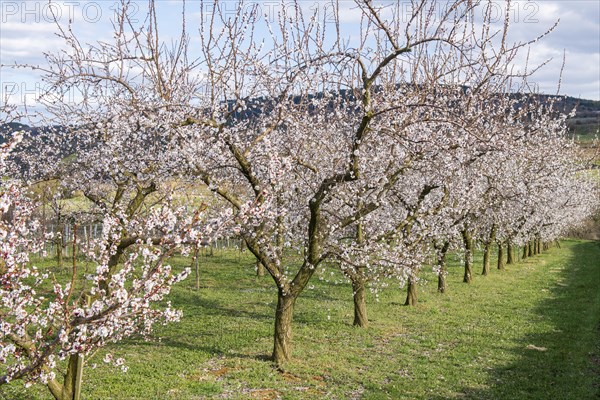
(530, 332)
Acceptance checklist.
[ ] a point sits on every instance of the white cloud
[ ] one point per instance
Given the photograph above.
(578, 34)
(11, 27)
(26, 48)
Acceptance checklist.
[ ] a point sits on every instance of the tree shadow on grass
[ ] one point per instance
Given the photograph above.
(220, 349)
(213, 344)
(210, 326)
(557, 364)
(203, 306)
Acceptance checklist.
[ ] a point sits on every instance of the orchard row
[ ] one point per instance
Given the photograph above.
(372, 150)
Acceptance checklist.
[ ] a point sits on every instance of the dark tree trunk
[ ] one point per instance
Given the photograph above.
(360, 304)
(500, 256)
(442, 268)
(486, 259)
(524, 255)
(530, 248)
(468, 243)
(358, 287)
(411, 292)
(509, 253)
(442, 286)
(487, 250)
(282, 349)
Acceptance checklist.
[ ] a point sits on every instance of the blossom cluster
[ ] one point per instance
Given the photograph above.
(44, 319)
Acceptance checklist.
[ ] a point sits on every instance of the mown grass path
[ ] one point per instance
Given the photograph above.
(529, 332)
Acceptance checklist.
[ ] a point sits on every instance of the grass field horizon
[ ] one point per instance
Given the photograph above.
(529, 332)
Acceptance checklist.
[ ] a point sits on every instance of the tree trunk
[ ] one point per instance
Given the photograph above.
(486, 259)
(260, 269)
(530, 248)
(360, 305)
(442, 283)
(57, 390)
(468, 243)
(411, 292)
(487, 250)
(509, 253)
(524, 255)
(71, 387)
(441, 261)
(358, 287)
(500, 256)
(282, 349)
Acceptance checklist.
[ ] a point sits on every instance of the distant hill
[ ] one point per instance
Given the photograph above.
(6, 130)
(587, 119)
(585, 122)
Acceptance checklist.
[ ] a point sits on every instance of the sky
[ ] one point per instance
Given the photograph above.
(28, 30)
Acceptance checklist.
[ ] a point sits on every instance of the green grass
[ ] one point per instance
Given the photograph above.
(530, 332)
